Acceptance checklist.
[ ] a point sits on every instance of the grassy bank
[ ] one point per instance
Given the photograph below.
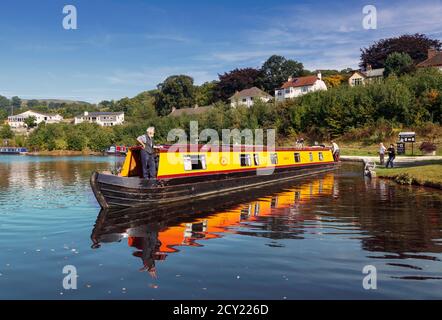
(428, 175)
(65, 153)
(361, 149)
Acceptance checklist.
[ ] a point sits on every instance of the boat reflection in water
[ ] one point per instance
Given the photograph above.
(159, 231)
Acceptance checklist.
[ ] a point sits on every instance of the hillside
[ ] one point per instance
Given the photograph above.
(54, 101)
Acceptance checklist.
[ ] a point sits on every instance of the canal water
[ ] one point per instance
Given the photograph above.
(310, 239)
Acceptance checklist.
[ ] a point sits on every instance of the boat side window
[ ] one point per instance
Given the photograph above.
(256, 159)
(321, 156)
(297, 157)
(245, 160)
(311, 156)
(195, 162)
(274, 158)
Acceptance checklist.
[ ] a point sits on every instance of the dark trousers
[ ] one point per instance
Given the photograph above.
(148, 165)
(390, 162)
(381, 158)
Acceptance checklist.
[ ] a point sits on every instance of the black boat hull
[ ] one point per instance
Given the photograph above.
(117, 192)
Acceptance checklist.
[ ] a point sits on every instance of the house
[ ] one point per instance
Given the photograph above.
(360, 77)
(295, 87)
(104, 119)
(196, 110)
(434, 59)
(18, 121)
(246, 97)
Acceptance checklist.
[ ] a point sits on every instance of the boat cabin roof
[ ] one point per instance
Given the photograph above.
(230, 148)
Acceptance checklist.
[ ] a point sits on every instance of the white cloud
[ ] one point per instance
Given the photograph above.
(330, 39)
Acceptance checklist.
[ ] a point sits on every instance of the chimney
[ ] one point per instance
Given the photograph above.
(290, 79)
(431, 52)
(86, 113)
(368, 67)
(173, 109)
(196, 106)
(319, 75)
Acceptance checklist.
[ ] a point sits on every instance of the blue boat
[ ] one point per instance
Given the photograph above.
(13, 150)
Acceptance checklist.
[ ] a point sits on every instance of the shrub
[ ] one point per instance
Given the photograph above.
(6, 132)
(404, 178)
(428, 147)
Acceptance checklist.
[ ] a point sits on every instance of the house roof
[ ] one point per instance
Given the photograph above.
(190, 111)
(358, 72)
(370, 73)
(38, 112)
(96, 114)
(250, 92)
(300, 82)
(434, 61)
(374, 72)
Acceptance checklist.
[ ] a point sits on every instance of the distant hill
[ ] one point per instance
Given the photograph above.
(47, 101)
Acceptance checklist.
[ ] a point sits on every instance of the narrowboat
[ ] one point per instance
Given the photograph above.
(13, 150)
(193, 172)
(116, 150)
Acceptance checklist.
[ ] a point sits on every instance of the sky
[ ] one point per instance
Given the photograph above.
(121, 48)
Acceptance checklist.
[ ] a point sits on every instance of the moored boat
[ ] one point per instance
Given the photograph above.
(193, 171)
(13, 150)
(116, 150)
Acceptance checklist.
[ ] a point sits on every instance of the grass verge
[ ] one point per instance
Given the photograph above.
(428, 175)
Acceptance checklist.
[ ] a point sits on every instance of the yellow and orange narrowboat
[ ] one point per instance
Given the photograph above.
(195, 171)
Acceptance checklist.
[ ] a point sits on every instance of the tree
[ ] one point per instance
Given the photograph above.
(237, 80)
(6, 132)
(205, 93)
(277, 69)
(76, 142)
(30, 122)
(416, 46)
(3, 114)
(176, 91)
(16, 102)
(32, 103)
(398, 64)
(4, 102)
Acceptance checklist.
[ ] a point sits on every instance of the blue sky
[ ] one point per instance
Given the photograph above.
(124, 47)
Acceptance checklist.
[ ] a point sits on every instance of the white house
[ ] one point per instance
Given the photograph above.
(295, 87)
(18, 121)
(434, 60)
(104, 119)
(360, 77)
(247, 97)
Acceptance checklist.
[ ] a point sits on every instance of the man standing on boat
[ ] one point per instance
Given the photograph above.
(335, 150)
(148, 154)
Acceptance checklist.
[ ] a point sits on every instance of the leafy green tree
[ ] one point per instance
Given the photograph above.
(3, 114)
(237, 80)
(108, 105)
(32, 103)
(4, 102)
(6, 132)
(30, 122)
(175, 92)
(16, 102)
(398, 64)
(416, 46)
(76, 142)
(277, 69)
(206, 93)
